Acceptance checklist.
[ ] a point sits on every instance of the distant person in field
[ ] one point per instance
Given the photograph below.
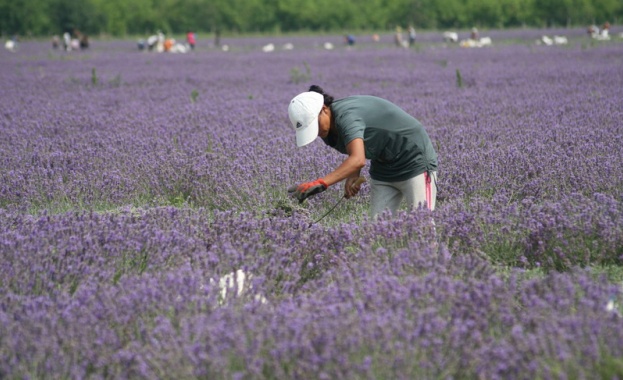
(599, 34)
(398, 37)
(605, 29)
(66, 41)
(191, 40)
(152, 42)
(403, 159)
(84, 41)
(168, 44)
(474, 34)
(412, 35)
(56, 42)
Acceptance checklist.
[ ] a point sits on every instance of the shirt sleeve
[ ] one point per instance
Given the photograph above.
(351, 127)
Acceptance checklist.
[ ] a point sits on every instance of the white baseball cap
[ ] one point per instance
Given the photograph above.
(303, 111)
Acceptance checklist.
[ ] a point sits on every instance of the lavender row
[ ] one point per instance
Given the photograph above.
(45, 254)
(131, 184)
(130, 295)
(526, 122)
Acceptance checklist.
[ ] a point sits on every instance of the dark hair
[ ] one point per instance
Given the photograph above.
(328, 99)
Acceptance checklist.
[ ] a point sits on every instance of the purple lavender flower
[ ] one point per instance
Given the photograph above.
(124, 205)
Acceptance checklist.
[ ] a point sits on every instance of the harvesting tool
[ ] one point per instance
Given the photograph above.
(358, 182)
(318, 189)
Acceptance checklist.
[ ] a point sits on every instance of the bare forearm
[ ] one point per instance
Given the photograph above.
(347, 169)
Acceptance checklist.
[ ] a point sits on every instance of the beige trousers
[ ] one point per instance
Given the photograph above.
(419, 191)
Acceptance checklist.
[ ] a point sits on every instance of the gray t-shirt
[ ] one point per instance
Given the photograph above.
(396, 143)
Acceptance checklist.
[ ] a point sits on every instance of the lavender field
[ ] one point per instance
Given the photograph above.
(133, 184)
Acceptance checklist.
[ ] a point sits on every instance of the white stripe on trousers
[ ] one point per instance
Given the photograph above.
(418, 191)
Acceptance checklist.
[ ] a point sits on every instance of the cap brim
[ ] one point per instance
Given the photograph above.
(308, 134)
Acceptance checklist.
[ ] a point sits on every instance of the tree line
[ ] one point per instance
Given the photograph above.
(141, 17)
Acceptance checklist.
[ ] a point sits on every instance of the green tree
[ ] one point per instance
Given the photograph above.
(121, 17)
(484, 13)
(422, 13)
(451, 14)
(73, 15)
(606, 10)
(517, 12)
(27, 17)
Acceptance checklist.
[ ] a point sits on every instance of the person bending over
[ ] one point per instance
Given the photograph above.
(403, 159)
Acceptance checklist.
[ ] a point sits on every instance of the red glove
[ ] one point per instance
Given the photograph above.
(307, 189)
